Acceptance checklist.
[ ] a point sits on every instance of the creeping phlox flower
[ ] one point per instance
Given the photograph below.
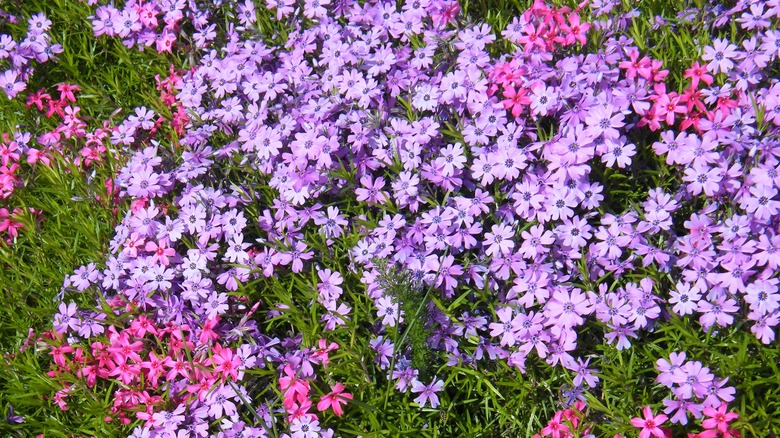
(427, 392)
(650, 424)
(150, 359)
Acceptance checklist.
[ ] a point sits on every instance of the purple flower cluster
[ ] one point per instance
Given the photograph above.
(694, 388)
(16, 57)
(158, 22)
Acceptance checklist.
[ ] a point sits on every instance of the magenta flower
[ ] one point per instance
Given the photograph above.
(334, 399)
(650, 424)
(719, 419)
(516, 100)
(293, 387)
(161, 253)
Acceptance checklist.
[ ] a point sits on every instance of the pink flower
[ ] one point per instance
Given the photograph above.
(161, 252)
(334, 399)
(225, 362)
(155, 367)
(321, 355)
(207, 332)
(58, 354)
(515, 100)
(650, 424)
(556, 427)
(575, 30)
(718, 418)
(698, 73)
(126, 372)
(292, 385)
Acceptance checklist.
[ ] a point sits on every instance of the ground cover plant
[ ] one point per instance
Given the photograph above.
(340, 218)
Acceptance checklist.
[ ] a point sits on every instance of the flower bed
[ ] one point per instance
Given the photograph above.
(381, 200)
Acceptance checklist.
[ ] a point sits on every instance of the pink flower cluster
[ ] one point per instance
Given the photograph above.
(541, 29)
(148, 358)
(296, 388)
(22, 152)
(716, 426)
(575, 421)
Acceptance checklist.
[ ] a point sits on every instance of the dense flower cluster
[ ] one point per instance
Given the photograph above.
(157, 23)
(690, 381)
(17, 57)
(153, 359)
(479, 176)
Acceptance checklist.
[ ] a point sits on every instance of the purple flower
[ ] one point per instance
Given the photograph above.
(372, 190)
(388, 311)
(717, 394)
(9, 84)
(220, 402)
(602, 120)
(681, 408)
(685, 298)
(584, 374)
(506, 326)
(621, 333)
(384, 349)
(718, 312)
(67, 318)
(84, 276)
(169, 421)
(720, 55)
(567, 307)
(667, 369)
(499, 240)
(305, 426)
(427, 392)
(692, 378)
